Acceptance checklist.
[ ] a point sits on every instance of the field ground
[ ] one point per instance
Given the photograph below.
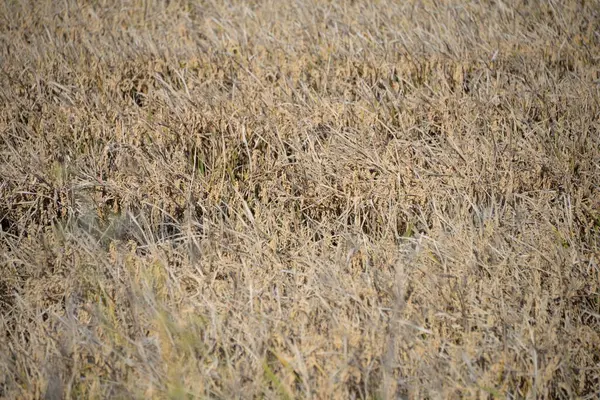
(306, 199)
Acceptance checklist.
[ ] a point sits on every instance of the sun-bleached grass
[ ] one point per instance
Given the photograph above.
(303, 199)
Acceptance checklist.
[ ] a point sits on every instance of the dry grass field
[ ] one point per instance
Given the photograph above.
(300, 200)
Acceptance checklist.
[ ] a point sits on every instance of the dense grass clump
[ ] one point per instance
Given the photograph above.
(306, 199)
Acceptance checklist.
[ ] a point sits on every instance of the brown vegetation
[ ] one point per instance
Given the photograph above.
(307, 199)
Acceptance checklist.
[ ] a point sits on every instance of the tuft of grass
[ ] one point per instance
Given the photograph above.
(303, 199)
